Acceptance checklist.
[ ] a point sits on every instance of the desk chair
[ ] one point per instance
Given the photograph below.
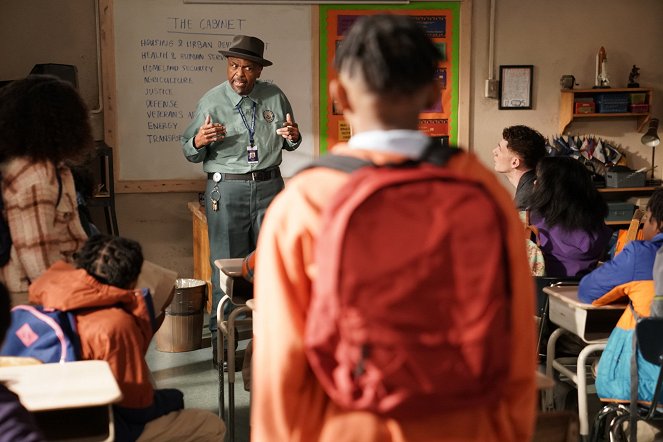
(237, 292)
(612, 416)
(592, 325)
(542, 306)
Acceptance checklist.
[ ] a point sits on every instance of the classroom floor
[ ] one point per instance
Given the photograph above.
(192, 373)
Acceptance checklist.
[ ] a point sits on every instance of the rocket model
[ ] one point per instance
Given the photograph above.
(601, 80)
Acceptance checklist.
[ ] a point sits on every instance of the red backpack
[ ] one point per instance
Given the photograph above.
(410, 309)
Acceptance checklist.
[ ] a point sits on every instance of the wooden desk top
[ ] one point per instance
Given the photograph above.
(77, 384)
(569, 295)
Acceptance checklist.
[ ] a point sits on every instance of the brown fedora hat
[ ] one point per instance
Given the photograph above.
(247, 48)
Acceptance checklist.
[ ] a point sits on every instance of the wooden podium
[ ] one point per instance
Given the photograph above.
(201, 265)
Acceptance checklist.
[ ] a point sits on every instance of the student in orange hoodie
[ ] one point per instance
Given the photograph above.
(116, 323)
(386, 70)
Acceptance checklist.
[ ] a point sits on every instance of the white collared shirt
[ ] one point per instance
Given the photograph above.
(410, 143)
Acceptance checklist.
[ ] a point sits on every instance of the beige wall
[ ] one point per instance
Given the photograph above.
(43, 31)
(557, 37)
(562, 37)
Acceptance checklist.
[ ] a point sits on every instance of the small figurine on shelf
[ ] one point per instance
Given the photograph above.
(633, 76)
(567, 81)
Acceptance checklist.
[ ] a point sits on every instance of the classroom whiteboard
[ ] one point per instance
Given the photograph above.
(166, 58)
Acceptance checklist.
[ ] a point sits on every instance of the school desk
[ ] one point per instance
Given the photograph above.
(590, 323)
(70, 401)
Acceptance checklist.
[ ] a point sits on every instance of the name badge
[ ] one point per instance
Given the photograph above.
(252, 154)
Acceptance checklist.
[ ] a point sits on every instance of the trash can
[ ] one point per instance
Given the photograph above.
(182, 328)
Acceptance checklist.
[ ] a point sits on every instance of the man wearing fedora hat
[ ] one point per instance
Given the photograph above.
(239, 131)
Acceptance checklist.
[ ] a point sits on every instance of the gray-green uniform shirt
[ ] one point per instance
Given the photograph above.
(234, 225)
(230, 154)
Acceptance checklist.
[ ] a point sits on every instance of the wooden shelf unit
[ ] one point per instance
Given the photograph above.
(567, 109)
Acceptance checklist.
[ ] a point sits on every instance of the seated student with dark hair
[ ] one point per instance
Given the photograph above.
(570, 215)
(116, 323)
(16, 423)
(628, 274)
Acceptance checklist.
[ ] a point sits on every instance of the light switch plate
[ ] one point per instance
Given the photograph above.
(492, 87)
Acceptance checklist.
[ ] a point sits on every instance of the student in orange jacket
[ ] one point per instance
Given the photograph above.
(288, 402)
(116, 323)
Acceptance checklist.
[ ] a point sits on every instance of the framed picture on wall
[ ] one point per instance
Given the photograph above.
(516, 86)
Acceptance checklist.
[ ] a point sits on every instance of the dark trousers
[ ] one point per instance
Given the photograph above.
(233, 229)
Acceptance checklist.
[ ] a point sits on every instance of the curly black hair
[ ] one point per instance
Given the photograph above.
(392, 53)
(111, 260)
(565, 195)
(44, 119)
(528, 143)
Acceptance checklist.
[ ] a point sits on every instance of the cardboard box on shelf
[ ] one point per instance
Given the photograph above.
(639, 108)
(585, 107)
(639, 201)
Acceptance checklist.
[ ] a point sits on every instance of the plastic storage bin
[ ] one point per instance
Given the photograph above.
(612, 103)
(618, 211)
(622, 176)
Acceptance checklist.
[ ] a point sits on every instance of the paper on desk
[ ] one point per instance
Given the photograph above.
(160, 281)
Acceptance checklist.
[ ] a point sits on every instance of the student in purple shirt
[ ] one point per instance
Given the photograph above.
(570, 215)
(16, 423)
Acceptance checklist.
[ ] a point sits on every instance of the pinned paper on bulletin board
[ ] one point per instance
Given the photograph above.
(441, 22)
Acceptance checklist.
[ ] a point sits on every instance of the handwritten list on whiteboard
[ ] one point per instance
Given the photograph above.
(167, 56)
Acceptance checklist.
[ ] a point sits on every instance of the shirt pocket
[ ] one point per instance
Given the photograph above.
(235, 133)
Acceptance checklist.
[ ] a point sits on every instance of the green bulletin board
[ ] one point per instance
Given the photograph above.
(441, 21)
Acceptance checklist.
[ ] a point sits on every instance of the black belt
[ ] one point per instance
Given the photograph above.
(257, 175)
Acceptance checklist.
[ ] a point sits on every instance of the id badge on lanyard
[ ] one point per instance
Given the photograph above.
(251, 149)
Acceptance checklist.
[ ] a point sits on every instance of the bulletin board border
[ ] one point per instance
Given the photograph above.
(454, 7)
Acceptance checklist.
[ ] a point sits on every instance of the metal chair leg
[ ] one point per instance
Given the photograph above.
(220, 355)
(231, 368)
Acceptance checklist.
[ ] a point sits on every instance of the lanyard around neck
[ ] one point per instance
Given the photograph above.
(252, 128)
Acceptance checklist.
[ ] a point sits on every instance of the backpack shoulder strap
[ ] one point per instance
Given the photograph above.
(433, 154)
(438, 155)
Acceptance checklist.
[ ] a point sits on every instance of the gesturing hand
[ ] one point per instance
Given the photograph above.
(289, 131)
(209, 132)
